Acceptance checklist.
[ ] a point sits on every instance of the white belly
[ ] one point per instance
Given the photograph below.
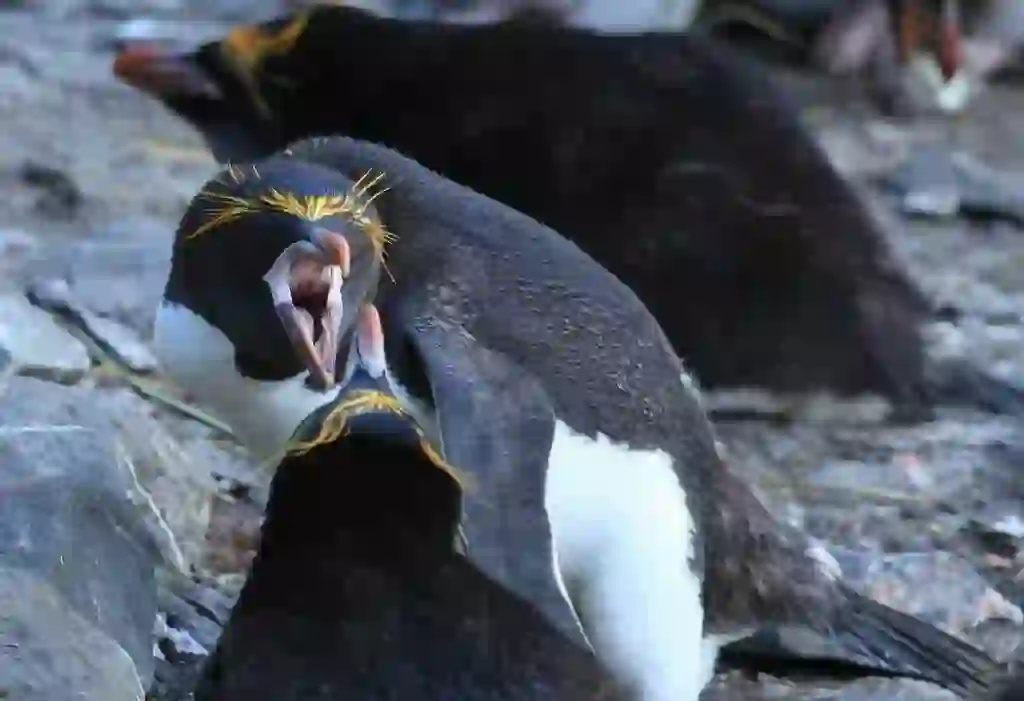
(624, 538)
(201, 360)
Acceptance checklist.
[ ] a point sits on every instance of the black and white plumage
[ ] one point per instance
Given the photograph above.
(278, 245)
(356, 592)
(673, 163)
(595, 487)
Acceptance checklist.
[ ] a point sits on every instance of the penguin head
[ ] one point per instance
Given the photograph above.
(252, 92)
(365, 406)
(361, 466)
(278, 257)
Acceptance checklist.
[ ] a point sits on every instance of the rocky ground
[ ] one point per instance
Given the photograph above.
(928, 518)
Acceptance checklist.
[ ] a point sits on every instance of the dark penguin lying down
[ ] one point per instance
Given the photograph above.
(662, 156)
(594, 486)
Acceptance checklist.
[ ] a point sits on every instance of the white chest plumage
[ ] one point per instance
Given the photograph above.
(263, 415)
(201, 359)
(624, 538)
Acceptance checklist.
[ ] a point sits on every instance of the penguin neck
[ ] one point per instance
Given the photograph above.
(406, 375)
(337, 512)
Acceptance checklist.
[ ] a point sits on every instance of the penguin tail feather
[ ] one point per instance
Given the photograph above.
(913, 647)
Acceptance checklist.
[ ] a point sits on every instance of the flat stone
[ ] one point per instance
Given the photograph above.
(188, 630)
(166, 32)
(122, 342)
(194, 612)
(169, 482)
(177, 475)
(927, 183)
(998, 529)
(115, 279)
(938, 587)
(17, 247)
(37, 345)
(936, 182)
(50, 652)
(114, 338)
(72, 520)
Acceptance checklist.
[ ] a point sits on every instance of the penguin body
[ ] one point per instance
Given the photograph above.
(666, 158)
(595, 490)
(552, 476)
(357, 593)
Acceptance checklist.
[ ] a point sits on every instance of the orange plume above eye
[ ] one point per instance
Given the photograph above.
(246, 48)
(250, 45)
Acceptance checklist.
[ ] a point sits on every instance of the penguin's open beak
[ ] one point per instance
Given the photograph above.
(305, 284)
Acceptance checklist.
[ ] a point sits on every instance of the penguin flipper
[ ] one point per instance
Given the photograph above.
(497, 427)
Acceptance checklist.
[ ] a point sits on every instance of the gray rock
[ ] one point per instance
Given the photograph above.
(935, 182)
(37, 345)
(167, 32)
(927, 182)
(186, 628)
(16, 249)
(116, 280)
(122, 342)
(60, 197)
(922, 584)
(999, 528)
(50, 652)
(73, 535)
(115, 339)
(734, 687)
(169, 485)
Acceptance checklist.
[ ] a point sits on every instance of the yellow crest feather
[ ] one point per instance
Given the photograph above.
(251, 44)
(246, 48)
(335, 425)
(353, 204)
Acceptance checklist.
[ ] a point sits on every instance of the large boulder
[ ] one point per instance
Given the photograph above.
(77, 587)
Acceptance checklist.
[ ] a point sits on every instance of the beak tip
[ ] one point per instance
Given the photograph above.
(337, 249)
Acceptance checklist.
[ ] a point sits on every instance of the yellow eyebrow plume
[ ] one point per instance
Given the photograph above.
(336, 425)
(354, 204)
(251, 44)
(246, 48)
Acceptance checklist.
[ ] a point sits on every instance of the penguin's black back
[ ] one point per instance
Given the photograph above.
(670, 160)
(356, 593)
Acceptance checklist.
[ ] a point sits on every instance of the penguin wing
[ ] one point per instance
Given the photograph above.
(496, 426)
